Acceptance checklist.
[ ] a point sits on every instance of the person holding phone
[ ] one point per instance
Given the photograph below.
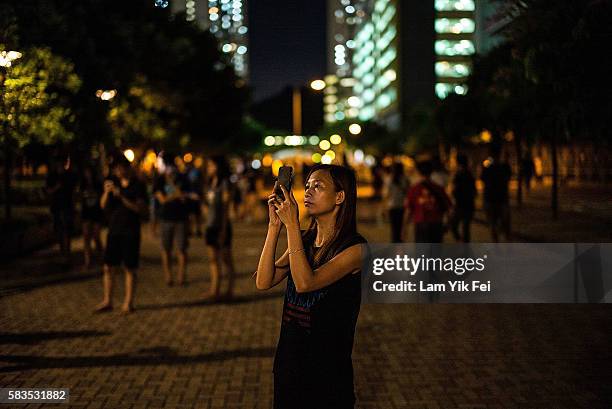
(313, 361)
(124, 200)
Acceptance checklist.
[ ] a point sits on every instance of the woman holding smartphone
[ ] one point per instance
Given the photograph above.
(313, 366)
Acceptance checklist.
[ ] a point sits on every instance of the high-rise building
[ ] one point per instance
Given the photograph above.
(227, 21)
(455, 28)
(410, 53)
(343, 18)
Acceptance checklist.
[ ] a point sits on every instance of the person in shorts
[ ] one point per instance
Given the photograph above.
(172, 194)
(124, 199)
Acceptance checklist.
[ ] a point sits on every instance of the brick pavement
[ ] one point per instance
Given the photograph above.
(175, 352)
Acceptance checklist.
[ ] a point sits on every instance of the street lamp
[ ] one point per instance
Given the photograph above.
(316, 85)
(355, 129)
(106, 95)
(7, 58)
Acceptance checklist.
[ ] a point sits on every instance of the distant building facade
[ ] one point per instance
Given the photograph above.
(227, 21)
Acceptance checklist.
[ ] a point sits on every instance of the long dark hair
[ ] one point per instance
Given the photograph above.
(346, 219)
(223, 169)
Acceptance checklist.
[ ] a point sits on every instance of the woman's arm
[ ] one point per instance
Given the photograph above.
(270, 273)
(305, 278)
(105, 194)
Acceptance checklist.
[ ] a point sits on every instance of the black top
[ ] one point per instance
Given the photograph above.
(174, 210)
(495, 178)
(464, 189)
(122, 220)
(313, 363)
(63, 197)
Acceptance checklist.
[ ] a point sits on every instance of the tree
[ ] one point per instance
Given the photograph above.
(173, 83)
(560, 46)
(35, 105)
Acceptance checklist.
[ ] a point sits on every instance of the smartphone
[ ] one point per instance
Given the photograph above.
(285, 178)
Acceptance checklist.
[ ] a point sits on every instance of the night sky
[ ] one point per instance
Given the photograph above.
(287, 44)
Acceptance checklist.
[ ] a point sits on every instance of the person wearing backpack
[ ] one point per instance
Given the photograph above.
(426, 206)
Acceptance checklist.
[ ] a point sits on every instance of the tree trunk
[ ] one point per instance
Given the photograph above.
(554, 199)
(8, 169)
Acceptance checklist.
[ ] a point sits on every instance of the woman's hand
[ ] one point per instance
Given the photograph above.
(287, 210)
(273, 217)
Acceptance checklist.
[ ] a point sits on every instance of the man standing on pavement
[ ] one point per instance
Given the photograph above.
(172, 194)
(60, 185)
(125, 201)
(495, 177)
(464, 193)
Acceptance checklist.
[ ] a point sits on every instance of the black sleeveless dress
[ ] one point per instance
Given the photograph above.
(313, 366)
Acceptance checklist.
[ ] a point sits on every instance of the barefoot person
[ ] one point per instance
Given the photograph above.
(171, 192)
(125, 200)
(313, 365)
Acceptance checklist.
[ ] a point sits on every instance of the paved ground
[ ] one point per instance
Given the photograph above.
(176, 352)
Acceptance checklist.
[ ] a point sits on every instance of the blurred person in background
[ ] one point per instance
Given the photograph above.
(496, 176)
(218, 233)
(154, 205)
(528, 170)
(90, 190)
(172, 192)
(464, 195)
(124, 200)
(60, 186)
(439, 174)
(395, 193)
(194, 199)
(426, 205)
(378, 183)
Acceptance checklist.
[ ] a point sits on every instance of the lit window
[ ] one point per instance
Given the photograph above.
(455, 25)
(445, 89)
(451, 5)
(453, 47)
(455, 70)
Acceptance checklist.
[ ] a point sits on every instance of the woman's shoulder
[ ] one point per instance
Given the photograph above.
(352, 240)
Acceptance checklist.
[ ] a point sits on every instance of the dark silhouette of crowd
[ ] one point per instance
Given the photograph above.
(200, 202)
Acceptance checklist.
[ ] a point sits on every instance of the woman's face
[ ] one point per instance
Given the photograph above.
(320, 196)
